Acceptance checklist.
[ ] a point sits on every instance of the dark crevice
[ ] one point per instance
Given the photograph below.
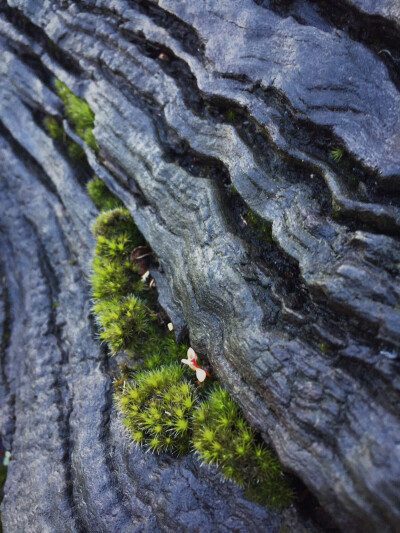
(318, 141)
(173, 66)
(287, 286)
(217, 110)
(26, 27)
(5, 328)
(29, 59)
(110, 368)
(267, 256)
(299, 132)
(379, 34)
(378, 386)
(176, 150)
(181, 31)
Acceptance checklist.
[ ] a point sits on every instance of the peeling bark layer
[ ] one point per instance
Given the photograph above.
(193, 101)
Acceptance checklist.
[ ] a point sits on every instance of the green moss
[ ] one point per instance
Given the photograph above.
(324, 348)
(101, 196)
(259, 228)
(122, 302)
(123, 322)
(54, 128)
(111, 224)
(111, 279)
(337, 154)
(222, 437)
(233, 191)
(230, 115)
(157, 408)
(76, 152)
(79, 114)
(161, 348)
(58, 133)
(158, 404)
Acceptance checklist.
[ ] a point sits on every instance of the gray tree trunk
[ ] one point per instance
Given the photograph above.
(204, 110)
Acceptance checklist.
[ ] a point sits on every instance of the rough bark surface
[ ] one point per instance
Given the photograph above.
(194, 100)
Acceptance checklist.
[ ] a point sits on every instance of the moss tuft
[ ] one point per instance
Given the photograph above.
(160, 348)
(79, 114)
(337, 154)
(158, 404)
(54, 128)
(101, 196)
(58, 133)
(157, 408)
(230, 115)
(123, 322)
(111, 224)
(222, 437)
(111, 279)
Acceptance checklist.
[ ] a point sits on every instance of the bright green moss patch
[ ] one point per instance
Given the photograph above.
(113, 223)
(101, 196)
(222, 437)
(161, 348)
(54, 128)
(123, 321)
(157, 408)
(160, 407)
(79, 114)
(114, 279)
(123, 303)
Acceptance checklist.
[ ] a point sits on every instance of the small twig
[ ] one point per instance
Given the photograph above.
(150, 311)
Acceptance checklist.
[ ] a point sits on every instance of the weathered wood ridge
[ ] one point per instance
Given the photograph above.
(204, 110)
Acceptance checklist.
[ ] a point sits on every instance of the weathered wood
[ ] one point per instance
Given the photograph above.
(204, 110)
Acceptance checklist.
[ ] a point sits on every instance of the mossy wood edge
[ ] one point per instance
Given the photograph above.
(162, 407)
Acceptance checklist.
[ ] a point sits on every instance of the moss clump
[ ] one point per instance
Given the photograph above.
(115, 279)
(123, 322)
(101, 196)
(258, 227)
(54, 128)
(157, 408)
(111, 224)
(158, 405)
(122, 301)
(222, 437)
(115, 248)
(58, 133)
(79, 114)
(159, 348)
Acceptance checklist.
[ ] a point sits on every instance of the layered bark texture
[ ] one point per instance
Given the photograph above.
(257, 147)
